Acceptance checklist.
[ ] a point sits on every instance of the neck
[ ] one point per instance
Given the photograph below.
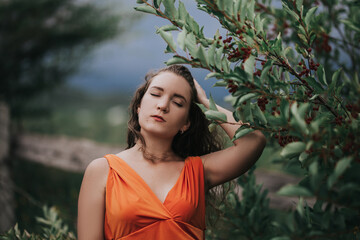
(156, 149)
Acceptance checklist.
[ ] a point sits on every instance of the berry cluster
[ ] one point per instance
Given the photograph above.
(308, 120)
(231, 86)
(350, 146)
(257, 73)
(353, 109)
(227, 40)
(249, 85)
(322, 43)
(283, 140)
(275, 111)
(308, 92)
(240, 31)
(312, 66)
(339, 120)
(244, 54)
(305, 70)
(261, 102)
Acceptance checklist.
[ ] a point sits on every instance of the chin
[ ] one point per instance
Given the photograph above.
(158, 133)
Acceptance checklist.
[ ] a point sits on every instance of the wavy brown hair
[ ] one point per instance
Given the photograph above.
(195, 141)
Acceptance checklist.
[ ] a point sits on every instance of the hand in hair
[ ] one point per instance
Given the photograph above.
(201, 95)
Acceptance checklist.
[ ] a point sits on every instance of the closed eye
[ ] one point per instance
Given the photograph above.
(155, 95)
(178, 104)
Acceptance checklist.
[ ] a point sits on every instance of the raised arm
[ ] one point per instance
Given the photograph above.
(229, 163)
(91, 204)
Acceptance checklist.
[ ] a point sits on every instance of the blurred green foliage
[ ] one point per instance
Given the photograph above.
(72, 112)
(52, 228)
(43, 41)
(38, 185)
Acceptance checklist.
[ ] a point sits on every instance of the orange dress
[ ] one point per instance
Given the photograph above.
(133, 211)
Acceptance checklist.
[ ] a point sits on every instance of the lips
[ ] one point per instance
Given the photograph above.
(158, 118)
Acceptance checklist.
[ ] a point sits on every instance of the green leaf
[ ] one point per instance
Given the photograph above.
(167, 28)
(247, 97)
(181, 39)
(258, 23)
(176, 60)
(249, 65)
(225, 65)
(303, 156)
(315, 85)
(218, 55)
(168, 49)
(294, 190)
(259, 114)
(190, 43)
(213, 75)
(281, 238)
(215, 115)
(168, 39)
(251, 10)
(310, 16)
(303, 39)
(211, 55)
(321, 75)
(293, 149)
(299, 4)
(340, 168)
(298, 119)
(170, 10)
(182, 13)
(201, 56)
(350, 25)
(212, 127)
(342, 165)
(334, 79)
(157, 3)
(202, 107)
(289, 11)
(221, 83)
(284, 109)
(265, 70)
(212, 104)
(242, 132)
(145, 9)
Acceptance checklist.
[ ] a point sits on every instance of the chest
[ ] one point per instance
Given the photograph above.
(160, 177)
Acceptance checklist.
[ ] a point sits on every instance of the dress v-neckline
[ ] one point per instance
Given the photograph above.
(146, 185)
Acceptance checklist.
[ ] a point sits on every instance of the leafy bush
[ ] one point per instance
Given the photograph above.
(291, 72)
(53, 229)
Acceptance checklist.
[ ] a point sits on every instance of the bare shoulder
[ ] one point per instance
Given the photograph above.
(97, 169)
(99, 164)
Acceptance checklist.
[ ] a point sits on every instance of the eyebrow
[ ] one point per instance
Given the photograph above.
(175, 95)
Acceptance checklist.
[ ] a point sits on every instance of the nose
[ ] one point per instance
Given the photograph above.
(163, 105)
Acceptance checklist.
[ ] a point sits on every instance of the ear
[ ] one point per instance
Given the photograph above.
(138, 110)
(186, 126)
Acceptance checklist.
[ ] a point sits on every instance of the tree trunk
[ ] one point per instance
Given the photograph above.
(7, 215)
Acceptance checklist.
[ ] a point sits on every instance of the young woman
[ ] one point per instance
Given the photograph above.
(155, 189)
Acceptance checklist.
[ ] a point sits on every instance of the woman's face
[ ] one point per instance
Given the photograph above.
(165, 106)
